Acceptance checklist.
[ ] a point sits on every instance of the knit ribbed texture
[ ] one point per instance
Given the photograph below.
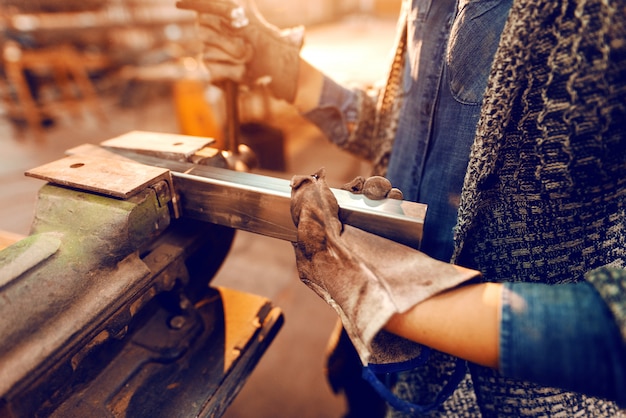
(544, 194)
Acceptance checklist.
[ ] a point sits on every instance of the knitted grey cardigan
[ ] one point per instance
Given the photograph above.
(544, 192)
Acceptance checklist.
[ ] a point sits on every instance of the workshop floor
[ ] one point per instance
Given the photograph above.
(289, 380)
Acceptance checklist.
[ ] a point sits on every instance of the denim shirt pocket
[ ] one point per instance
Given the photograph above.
(474, 38)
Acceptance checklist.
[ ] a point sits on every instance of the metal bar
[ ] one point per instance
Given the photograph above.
(158, 144)
(251, 202)
(261, 204)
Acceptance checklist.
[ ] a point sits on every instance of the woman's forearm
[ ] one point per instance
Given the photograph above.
(463, 322)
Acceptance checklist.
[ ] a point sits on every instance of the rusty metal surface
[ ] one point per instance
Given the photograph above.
(26, 254)
(171, 146)
(77, 268)
(92, 265)
(115, 287)
(182, 364)
(110, 177)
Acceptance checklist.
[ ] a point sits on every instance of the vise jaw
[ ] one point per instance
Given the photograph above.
(106, 305)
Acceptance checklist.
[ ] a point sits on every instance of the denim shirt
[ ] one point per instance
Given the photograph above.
(445, 80)
(449, 54)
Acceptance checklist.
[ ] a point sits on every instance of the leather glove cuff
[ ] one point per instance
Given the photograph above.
(364, 277)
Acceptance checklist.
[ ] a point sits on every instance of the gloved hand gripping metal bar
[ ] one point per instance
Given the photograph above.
(110, 293)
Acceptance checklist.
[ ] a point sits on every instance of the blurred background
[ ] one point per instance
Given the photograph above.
(83, 71)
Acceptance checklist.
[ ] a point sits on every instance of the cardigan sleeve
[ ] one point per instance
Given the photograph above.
(363, 120)
(346, 117)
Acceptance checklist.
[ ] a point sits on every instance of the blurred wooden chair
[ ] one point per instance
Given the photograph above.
(67, 68)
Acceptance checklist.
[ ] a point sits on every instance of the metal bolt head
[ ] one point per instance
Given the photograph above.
(177, 322)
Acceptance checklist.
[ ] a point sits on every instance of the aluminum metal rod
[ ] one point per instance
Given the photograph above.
(261, 203)
(250, 202)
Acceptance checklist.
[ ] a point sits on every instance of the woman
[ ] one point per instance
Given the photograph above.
(541, 192)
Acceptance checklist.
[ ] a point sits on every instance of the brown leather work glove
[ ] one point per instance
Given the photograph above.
(364, 277)
(374, 187)
(240, 45)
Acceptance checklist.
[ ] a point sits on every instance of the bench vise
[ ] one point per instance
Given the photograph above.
(107, 308)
